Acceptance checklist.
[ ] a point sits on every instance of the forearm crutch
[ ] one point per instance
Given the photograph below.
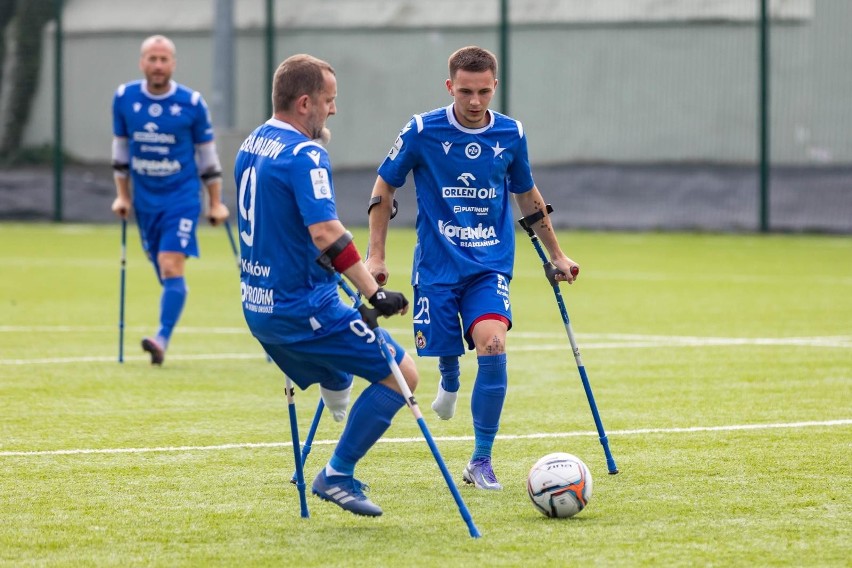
(231, 240)
(121, 290)
(309, 440)
(370, 317)
(297, 457)
(550, 271)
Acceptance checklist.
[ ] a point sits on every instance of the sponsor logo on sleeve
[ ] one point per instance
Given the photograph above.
(396, 148)
(321, 183)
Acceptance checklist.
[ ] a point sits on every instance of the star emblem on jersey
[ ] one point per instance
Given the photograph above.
(497, 149)
(447, 146)
(174, 110)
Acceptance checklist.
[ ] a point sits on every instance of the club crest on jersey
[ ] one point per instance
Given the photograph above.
(155, 109)
(420, 340)
(472, 150)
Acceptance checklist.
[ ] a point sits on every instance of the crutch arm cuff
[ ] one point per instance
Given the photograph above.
(376, 199)
(527, 222)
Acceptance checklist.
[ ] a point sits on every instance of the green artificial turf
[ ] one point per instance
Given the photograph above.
(721, 365)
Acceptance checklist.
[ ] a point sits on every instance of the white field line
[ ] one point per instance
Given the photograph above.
(605, 341)
(821, 341)
(617, 433)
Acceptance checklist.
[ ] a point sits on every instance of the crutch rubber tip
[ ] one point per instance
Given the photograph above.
(613, 472)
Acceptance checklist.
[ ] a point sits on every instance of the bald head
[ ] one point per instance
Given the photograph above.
(158, 40)
(157, 63)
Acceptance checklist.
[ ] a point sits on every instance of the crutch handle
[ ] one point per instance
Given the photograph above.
(551, 272)
(369, 315)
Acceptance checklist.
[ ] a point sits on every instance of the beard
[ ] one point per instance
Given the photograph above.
(324, 136)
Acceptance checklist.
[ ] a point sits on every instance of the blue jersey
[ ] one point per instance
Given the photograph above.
(162, 131)
(462, 178)
(284, 186)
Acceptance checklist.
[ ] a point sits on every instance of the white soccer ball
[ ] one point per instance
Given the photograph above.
(560, 485)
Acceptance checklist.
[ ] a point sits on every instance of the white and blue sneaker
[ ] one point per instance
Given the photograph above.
(346, 492)
(479, 473)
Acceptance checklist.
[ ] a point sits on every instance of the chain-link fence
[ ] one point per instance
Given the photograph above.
(640, 114)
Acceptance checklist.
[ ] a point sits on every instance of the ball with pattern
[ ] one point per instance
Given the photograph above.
(560, 485)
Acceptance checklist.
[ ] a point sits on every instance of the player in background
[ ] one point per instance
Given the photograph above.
(292, 249)
(163, 143)
(466, 160)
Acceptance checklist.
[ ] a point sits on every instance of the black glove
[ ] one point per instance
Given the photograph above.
(388, 303)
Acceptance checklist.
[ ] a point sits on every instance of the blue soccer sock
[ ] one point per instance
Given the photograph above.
(448, 366)
(369, 419)
(171, 305)
(486, 405)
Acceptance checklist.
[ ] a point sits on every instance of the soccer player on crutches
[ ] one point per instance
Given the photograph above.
(287, 212)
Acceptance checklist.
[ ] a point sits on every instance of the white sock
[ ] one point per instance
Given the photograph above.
(337, 402)
(329, 471)
(444, 404)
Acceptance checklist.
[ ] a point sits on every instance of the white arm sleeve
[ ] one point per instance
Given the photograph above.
(208, 161)
(120, 156)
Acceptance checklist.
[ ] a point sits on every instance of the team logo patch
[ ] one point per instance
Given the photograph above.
(396, 148)
(321, 183)
(155, 109)
(472, 150)
(420, 340)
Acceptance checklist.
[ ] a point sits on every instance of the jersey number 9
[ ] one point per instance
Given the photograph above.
(248, 189)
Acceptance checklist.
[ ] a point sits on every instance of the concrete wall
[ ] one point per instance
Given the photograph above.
(621, 81)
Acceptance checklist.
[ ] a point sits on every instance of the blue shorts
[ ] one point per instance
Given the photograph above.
(172, 230)
(334, 357)
(437, 309)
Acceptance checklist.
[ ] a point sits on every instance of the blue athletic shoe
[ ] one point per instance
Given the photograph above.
(346, 492)
(479, 473)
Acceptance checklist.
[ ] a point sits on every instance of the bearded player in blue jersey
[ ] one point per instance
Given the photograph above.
(293, 248)
(467, 160)
(163, 147)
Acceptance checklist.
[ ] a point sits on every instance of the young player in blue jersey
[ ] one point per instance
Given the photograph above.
(163, 147)
(292, 249)
(466, 160)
